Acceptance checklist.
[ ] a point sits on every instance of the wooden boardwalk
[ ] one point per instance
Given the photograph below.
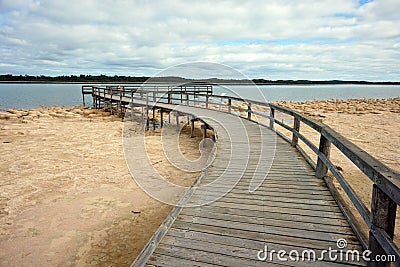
(292, 210)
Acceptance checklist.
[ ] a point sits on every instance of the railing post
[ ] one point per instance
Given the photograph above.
(161, 118)
(147, 109)
(204, 126)
(206, 101)
(120, 103)
(169, 98)
(104, 98)
(325, 149)
(154, 117)
(271, 118)
(249, 111)
(383, 217)
(111, 104)
(94, 99)
(229, 105)
(296, 127)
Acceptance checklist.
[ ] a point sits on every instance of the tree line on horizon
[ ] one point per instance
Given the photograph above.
(133, 79)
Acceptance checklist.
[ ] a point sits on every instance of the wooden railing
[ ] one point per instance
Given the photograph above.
(386, 183)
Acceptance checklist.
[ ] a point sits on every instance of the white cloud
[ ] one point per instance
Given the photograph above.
(329, 39)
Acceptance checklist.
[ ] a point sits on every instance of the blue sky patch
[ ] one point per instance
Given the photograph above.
(363, 2)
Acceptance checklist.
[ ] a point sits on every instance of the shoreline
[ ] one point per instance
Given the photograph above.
(328, 104)
(312, 108)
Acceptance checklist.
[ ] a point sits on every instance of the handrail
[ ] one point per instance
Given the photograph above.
(386, 182)
(386, 189)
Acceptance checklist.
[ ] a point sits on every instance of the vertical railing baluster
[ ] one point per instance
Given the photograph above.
(325, 149)
(296, 127)
(271, 118)
(248, 110)
(383, 217)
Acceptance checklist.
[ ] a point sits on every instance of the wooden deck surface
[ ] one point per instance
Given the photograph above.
(291, 210)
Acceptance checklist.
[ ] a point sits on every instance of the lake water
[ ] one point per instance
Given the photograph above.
(34, 95)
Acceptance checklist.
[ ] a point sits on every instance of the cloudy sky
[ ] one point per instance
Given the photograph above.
(274, 39)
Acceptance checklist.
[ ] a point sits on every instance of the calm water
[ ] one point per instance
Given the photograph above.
(300, 93)
(34, 95)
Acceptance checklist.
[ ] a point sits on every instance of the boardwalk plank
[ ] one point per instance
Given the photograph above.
(178, 236)
(274, 220)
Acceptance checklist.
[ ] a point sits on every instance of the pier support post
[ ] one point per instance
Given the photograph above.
(161, 118)
(154, 118)
(192, 128)
(204, 126)
(177, 121)
(142, 114)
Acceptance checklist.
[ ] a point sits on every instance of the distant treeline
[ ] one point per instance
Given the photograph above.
(132, 79)
(303, 82)
(71, 78)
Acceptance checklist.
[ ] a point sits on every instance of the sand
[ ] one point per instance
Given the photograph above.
(371, 124)
(68, 199)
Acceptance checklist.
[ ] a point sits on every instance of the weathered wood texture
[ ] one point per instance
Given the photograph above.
(287, 173)
(292, 189)
(291, 210)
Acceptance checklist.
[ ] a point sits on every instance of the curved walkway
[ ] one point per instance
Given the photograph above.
(292, 210)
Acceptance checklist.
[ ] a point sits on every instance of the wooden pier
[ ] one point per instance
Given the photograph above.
(297, 209)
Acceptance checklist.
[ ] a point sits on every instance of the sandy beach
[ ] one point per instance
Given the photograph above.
(371, 124)
(67, 197)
